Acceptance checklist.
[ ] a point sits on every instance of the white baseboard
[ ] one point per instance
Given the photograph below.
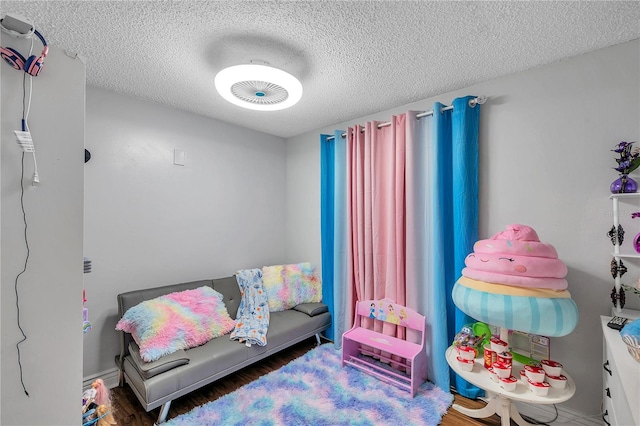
(566, 416)
(109, 377)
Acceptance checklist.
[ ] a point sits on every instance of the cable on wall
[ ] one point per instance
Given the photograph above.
(26, 104)
(31, 65)
(24, 269)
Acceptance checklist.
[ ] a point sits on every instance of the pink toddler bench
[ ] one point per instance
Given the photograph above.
(359, 340)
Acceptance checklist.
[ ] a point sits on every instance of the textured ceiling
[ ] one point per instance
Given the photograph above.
(353, 58)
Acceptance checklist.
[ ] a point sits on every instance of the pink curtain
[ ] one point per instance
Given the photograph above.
(405, 227)
(376, 202)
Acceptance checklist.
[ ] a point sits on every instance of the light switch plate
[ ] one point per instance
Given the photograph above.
(178, 157)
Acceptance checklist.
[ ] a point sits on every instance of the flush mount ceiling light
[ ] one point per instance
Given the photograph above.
(258, 87)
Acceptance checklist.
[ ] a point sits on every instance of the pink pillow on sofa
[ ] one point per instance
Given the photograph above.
(175, 321)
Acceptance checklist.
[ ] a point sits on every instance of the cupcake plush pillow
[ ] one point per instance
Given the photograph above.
(513, 280)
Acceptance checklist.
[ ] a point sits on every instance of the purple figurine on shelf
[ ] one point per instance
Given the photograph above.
(629, 161)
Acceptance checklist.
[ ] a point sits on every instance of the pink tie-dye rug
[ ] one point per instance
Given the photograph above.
(316, 390)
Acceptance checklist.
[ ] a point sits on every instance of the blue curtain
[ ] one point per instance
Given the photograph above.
(442, 216)
(439, 230)
(327, 194)
(333, 225)
(464, 143)
(340, 235)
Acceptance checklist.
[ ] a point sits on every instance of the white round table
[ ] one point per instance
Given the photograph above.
(500, 400)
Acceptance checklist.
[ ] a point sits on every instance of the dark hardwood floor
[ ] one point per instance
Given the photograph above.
(127, 409)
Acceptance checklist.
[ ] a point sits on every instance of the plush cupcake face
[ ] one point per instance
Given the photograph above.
(515, 281)
(525, 266)
(516, 257)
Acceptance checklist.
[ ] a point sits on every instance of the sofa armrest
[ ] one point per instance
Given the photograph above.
(150, 369)
(312, 309)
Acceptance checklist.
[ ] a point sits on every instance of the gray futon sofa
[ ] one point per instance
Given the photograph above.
(157, 383)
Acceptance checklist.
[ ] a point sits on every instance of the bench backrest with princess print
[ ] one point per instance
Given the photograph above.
(388, 311)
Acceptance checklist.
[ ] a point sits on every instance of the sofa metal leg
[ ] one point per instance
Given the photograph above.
(164, 410)
(318, 338)
(121, 378)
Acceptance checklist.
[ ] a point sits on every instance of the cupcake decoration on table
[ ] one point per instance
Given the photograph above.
(515, 281)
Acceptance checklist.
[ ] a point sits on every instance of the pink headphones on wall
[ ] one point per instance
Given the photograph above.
(31, 65)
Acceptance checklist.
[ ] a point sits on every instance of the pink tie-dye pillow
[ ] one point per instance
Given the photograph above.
(175, 321)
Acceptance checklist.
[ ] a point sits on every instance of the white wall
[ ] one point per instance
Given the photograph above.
(149, 222)
(545, 161)
(51, 288)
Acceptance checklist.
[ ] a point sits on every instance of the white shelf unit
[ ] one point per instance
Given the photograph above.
(618, 252)
(621, 378)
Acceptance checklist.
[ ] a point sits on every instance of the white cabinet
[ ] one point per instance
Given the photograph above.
(621, 378)
(623, 223)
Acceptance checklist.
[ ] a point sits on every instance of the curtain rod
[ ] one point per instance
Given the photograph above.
(472, 103)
